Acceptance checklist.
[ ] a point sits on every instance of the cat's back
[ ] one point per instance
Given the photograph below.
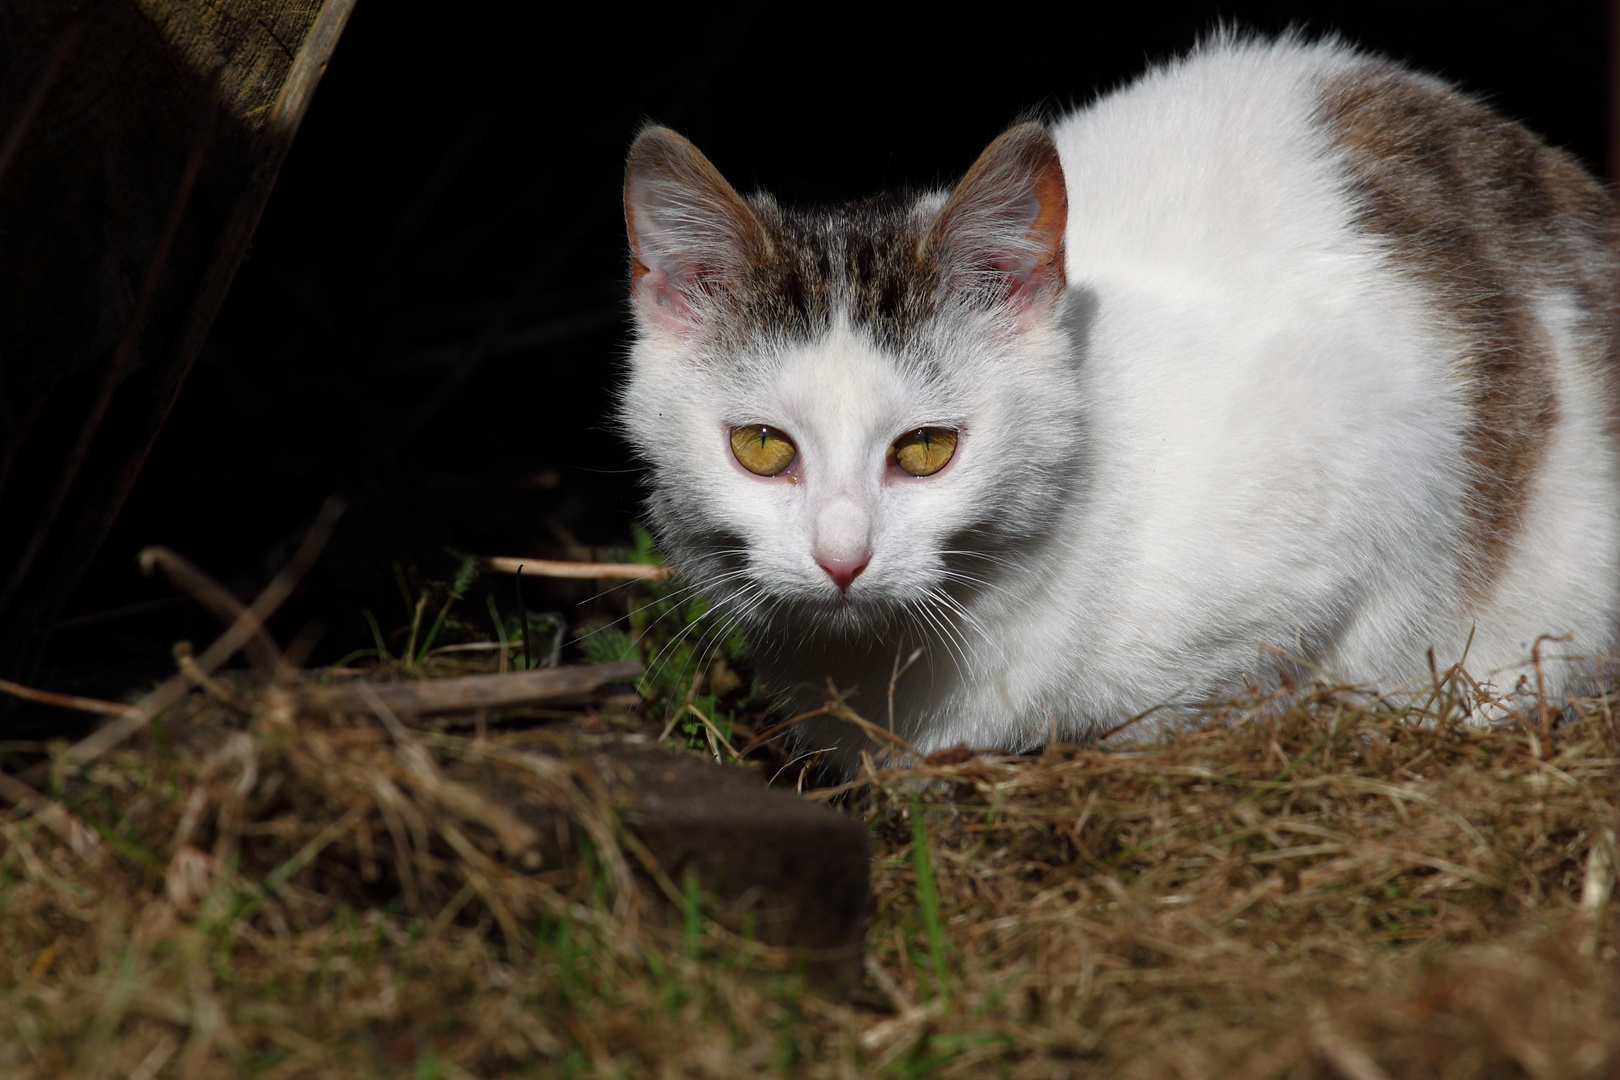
(1204, 166)
(1251, 153)
(1366, 318)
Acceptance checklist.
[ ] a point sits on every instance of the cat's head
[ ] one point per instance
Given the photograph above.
(854, 410)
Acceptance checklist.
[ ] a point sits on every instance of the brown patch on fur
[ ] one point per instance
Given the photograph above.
(1052, 222)
(1484, 215)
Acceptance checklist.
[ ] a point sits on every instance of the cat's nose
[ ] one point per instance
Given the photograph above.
(844, 571)
(843, 543)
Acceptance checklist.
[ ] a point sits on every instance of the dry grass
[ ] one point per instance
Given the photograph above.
(1329, 889)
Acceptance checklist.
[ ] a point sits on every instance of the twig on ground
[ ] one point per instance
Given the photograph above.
(472, 692)
(835, 707)
(894, 678)
(1543, 710)
(64, 701)
(187, 663)
(224, 647)
(523, 613)
(776, 729)
(190, 579)
(557, 568)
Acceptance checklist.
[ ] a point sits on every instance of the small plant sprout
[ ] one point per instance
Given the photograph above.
(466, 574)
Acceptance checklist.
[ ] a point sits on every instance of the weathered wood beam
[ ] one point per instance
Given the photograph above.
(139, 140)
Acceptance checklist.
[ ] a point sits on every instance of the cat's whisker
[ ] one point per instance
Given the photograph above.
(675, 601)
(922, 628)
(726, 622)
(973, 623)
(945, 635)
(988, 556)
(654, 666)
(962, 645)
(611, 589)
(657, 665)
(673, 598)
(721, 629)
(969, 621)
(715, 612)
(976, 583)
(990, 561)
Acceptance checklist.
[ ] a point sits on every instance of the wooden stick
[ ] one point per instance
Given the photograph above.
(543, 686)
(64, 701)
(177, 686)
(186, 576)
(556, 568)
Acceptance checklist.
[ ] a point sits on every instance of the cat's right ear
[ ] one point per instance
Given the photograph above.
(691, 235)
(999, 237)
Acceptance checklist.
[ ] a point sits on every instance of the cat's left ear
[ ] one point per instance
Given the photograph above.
(692, 237)
(999, 237)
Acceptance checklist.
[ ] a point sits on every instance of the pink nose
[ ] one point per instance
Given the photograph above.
(844, 571)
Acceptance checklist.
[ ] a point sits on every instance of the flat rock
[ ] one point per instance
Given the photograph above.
(789, 873)
(800, 867)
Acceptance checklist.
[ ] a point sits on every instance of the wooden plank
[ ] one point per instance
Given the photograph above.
(134, 184)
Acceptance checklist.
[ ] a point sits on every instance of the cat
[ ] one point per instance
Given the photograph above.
(1281, 359)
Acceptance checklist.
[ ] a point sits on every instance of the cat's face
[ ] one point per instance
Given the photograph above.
(847, 413)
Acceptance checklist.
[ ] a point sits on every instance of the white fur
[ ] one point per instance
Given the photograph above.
(1260, 417)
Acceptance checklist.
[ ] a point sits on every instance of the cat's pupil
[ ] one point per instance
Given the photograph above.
(762, 450)
(925, 451)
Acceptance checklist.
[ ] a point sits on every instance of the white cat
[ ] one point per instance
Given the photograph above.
(1282, 347)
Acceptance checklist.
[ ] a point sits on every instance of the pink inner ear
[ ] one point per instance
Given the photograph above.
(671, 291)
(661, 300)
(1013, 264)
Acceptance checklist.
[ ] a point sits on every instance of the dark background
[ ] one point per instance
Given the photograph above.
(431, 317)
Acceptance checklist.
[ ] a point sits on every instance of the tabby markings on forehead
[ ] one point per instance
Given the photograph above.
(862, 260)
(1479, 212)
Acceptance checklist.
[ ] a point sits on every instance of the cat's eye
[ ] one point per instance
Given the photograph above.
(762, 450)
(925, 451)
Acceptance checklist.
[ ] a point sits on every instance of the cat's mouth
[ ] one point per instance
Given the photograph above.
(854, 612)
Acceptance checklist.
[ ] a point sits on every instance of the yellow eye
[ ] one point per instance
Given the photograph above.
(925, 451)
(762, 450)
